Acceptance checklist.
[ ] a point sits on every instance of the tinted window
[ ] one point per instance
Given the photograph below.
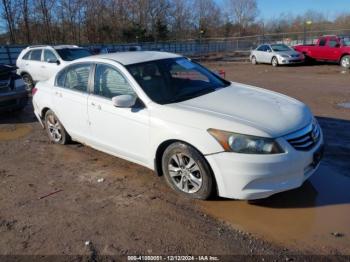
(36, 55)
(70, 54)
(109, 82)
(262, 48)
(346, 41)
(26, 56)
(322, 41)
(332, 42)
(175, 79)
(49, 55)
(76, 77)
(280, 48)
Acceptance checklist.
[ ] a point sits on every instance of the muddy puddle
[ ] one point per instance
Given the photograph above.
(315, 217)
(14, 131)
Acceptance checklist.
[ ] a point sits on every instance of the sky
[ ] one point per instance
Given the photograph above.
(273, 8)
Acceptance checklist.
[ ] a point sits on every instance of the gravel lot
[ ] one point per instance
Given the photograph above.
(122, 208)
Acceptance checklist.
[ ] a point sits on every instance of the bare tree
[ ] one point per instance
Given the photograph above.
(9, 14)
(242, 12)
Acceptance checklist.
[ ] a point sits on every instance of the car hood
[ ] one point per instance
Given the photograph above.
(242, 109)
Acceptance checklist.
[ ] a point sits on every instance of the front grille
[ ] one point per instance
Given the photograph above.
(306, 138)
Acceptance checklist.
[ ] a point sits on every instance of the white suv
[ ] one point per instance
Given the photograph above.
(38, 63)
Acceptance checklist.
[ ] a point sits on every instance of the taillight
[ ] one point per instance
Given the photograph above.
(34, 90)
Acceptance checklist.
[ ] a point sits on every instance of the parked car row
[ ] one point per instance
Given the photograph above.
(327, 48)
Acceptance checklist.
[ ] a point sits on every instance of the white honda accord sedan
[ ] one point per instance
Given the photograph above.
(206, 135)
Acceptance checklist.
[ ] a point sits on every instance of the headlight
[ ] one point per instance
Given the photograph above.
(245, 144)
(285, 56)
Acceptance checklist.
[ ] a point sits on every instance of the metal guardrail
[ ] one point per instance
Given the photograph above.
(195, 47)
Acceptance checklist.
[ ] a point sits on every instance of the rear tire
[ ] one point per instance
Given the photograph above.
(345, 61)
(55, 130)
(274, 61)
(254, 61)
(28, 80)
(187, 172)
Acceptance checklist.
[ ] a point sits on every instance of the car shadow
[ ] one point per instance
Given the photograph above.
(331, 182)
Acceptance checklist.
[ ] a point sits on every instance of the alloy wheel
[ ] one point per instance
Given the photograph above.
(54, 128)
(274, 62)
(185, 173)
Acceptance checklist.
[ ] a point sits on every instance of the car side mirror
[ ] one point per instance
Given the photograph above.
(125, 101)
(337, 45)
(269, 50)
(53, 61)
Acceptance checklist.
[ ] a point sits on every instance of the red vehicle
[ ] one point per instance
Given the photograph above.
(329, 48)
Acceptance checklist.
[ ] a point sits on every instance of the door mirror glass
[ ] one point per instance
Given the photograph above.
(125, 101)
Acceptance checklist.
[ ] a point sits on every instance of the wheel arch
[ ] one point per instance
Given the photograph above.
(344, 54)
(159, 154)
(25, 73)
(43, 112)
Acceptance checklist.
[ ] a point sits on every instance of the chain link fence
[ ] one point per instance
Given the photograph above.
(224, 49)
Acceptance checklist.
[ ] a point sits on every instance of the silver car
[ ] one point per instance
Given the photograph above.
(276, 54)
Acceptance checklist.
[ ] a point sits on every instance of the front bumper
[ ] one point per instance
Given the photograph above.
(291, 60)
(13, 100)
(248, 177)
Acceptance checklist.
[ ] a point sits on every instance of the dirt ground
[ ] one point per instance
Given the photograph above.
(131, 211)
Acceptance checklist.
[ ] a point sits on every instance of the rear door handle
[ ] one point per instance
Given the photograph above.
(58, 94)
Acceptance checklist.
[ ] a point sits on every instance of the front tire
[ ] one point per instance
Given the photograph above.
(187, 172)
(55, 130)
(274, 61)
(345, 61)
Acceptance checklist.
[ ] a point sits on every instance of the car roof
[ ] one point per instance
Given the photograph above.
(134, 57)
(52, 46)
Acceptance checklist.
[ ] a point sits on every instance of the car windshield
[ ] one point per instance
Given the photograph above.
(70, 54)
(174, 80)
(346, 41)
(280, 48)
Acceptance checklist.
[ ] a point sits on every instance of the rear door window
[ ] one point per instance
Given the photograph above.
(36, 55)
(75, 77)
(262, 48)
